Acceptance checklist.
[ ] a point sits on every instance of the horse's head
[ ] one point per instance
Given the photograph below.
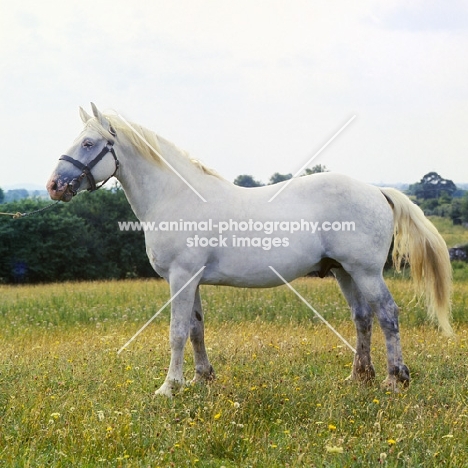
(89, 161)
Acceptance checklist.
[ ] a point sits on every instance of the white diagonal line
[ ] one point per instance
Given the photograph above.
(159, 155)
(160, 310)
(312, 158)
(313, 310)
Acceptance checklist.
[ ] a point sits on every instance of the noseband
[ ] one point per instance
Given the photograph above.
(75, 183)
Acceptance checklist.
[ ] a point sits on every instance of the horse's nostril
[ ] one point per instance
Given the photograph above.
(54, 186)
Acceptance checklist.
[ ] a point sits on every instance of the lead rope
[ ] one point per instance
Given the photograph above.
(18, 214)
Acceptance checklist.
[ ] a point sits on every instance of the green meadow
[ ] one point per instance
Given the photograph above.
(280, 398)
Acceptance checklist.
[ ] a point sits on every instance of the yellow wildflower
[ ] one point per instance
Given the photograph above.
(333, 449)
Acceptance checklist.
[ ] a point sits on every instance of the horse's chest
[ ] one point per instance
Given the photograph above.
(157, 261)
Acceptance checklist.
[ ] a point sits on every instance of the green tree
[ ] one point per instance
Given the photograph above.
(42, 248)
(277, 177)
(464, 208)
(2, 195)
(246, 180)
(123, 252)
(16, 194)
(80, 240)
(318, 168)
(432, 185)
(456, 210)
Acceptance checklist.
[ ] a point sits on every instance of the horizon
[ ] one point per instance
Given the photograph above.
(36, 187)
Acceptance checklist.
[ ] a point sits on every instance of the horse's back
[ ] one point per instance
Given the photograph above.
(338, 219)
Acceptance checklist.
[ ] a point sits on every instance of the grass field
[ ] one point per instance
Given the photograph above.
(280, 399)
(453, 235)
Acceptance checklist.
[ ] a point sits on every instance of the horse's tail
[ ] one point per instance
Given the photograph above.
(417, 241)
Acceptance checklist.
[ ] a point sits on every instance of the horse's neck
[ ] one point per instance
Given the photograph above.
(151, 186)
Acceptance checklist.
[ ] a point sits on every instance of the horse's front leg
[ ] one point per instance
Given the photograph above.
(181, 313)
(203, 369)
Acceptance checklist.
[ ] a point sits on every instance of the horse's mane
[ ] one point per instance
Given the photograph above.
(152, 138)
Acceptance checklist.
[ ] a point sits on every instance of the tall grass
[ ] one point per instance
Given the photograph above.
(280, 399)
(453, 235)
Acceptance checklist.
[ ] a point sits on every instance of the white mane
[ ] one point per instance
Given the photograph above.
(145, 150)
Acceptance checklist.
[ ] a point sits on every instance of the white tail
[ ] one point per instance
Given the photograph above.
(417, 241)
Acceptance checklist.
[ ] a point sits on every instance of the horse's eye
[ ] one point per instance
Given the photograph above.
(88, 144)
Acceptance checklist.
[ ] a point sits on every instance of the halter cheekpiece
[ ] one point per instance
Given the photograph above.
(85, 169)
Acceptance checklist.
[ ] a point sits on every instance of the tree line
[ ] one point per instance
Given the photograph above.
(246, 180)
(81, 240)
(75, 241)
(440, 197)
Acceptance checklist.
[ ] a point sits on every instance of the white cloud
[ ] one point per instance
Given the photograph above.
(248, 87)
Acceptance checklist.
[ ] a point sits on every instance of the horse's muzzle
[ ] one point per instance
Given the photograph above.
(59, 190)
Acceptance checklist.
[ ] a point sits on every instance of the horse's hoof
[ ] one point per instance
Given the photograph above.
(390, 384)
(365, 375)
(203, 376)
(398, 377)
(402, 374)
(169, 389)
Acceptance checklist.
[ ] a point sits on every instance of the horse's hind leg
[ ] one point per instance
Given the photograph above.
(363, 370)
(203, 369)
(377, 295)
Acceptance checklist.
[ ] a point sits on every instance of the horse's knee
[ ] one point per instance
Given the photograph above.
(178, 339)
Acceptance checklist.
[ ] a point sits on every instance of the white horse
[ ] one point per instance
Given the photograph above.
(296, 233)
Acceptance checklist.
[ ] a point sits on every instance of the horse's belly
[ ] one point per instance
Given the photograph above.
(260, 269)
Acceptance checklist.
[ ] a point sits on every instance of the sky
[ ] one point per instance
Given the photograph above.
(247, 87)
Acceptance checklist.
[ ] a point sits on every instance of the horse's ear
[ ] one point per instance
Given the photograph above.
(100, 118)
(84, 115)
